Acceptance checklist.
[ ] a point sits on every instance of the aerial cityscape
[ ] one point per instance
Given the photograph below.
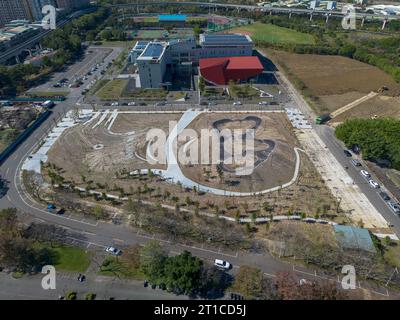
(199, 150)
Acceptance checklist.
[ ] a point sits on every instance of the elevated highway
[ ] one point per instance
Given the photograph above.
(267, 10)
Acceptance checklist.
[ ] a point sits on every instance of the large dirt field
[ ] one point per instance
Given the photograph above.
(122, 146)
(272, 168)
(333, 81)
(75, 151)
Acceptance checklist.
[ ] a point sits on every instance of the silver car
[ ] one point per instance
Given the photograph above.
(394, 206)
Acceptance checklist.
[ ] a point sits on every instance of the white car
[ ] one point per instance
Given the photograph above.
(263, 103)
(365, 173)
(113, 251)
(114, 104)
(374, 184)
(237, 103)
(222, 264)
(132, 103)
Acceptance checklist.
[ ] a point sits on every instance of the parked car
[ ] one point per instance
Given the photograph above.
(365, 173)
(114, 104)
(212, 103)
(263, 103)
(237, 103)
(81, 277)
(51, 207)
(374, 184)
(355, 163)
(347, 153)
(133, 103)
(113, 251)
(394, 206)
(222, 264)
(384, 196)
(61, 211)
(160, 104)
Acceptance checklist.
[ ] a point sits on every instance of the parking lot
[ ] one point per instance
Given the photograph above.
(81, 73)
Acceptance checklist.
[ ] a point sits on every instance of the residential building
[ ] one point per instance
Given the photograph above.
(14, 10)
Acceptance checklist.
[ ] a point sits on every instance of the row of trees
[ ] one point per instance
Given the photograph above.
(378, 139)
(252, 285)
(18, 245)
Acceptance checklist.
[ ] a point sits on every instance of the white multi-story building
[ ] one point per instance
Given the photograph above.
(157, 56)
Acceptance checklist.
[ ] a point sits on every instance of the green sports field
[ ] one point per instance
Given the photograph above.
(144, 34)
(274, 34)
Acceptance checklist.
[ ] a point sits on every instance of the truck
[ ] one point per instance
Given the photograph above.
(48, 104)
(323, 118)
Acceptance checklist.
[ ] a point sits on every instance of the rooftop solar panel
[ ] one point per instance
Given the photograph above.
(225, 38)
(153, 50)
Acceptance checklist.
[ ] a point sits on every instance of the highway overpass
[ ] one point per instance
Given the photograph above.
(15, 51)
(267, 10)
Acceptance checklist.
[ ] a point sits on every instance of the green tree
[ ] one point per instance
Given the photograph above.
(182, 272)
(248, 282)
(152, 260)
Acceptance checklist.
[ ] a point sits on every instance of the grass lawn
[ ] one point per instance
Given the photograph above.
(243, 91)
(68, 258)
(73, 259)
(49, 94)
(123, 44)
(113, 266)
(7, 136)
(151, 94)
(392, 253)
(112, 90)
(274, 34)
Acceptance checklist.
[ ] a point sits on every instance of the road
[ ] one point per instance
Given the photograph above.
(327, 134)
(29, 288)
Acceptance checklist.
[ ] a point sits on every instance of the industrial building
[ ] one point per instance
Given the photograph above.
(179, 56)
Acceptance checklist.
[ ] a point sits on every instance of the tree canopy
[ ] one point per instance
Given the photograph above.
(378, 139)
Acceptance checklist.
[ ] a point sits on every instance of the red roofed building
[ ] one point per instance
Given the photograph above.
(220, 71)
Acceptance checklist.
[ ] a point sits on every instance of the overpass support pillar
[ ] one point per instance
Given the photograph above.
(362, 21)
(311, 16)
(327, 19)
(290, 14)
(17, 59)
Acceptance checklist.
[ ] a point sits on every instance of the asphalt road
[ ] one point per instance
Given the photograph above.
(105, 288)
(327, 134)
